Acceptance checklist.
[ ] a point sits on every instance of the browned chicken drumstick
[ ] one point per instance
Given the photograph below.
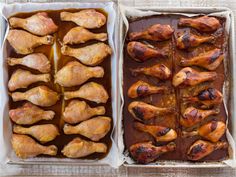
(201, 148)
(155, 32)
(209, 60)
(211, 131)
(204, 23)
(187, 40)
(190, 77)
(146, 152)
(160, 133)
(159, 70)
(206, 98)
(141, 88)
(192, 116)
(141, 52)
(143, 111)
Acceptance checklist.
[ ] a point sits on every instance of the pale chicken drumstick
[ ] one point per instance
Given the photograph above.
(88, 18)
(74, 73)
(39, 24)
(79, 35)
(80, 148)
(24, 42)
(26, 147)
(41, 96)
(43, 133)
(90, 91)
(36, 61)
(22, 79)
(94, 129)
(29, 114)
(78, 111)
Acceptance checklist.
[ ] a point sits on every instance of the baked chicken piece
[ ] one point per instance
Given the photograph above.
(143, 111)
(40, 95)
(23, 78)
(146, 152)
(191, 116)
(160, 133)
(36, 61)
(38, 24)
(209, 60)
(88, 18)
(89, 55)
(24, 42)
(201, 149)
(141, 52)
(206, 98)
(43, 133)
(190, 77)
(211, 131)
(79, 35)
(26, 147)
(29, 114)
(78, 111)
(141, 88)
(90, 91)
(159, 70)
(80, 148)
(204, 23)
(155, 32)
(187, 40)
(74, 73)
(94, 129)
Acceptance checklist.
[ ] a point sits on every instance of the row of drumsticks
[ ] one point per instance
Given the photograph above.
(37, 30)
(207, 98)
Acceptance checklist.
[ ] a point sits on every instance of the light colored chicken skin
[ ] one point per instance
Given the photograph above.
(24, 42)
(26, 147)
(41, 96)
(80, 148)
(88, 18)
(39, 24)
(90, 91)
(91, 55)
(22, 79)
(94, 129)
(29, 114)
(74, 73)
(43, 133)
(37, 61)
(78, 111)
(79, 35)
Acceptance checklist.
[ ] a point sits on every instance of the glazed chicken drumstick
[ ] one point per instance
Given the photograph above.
(24, 42)
(159, 71)
(190, 77)
(38, 24)
(201, 149)
(26, 147)
(160, 133)
(141, 52)
(29, 114)
(191, 116)
(204, 23)
(211, 131)
(155, 32)
(141, 88)
(146, 152)
(187, 40)
(209, 60)
(143, 111)
(206, 98)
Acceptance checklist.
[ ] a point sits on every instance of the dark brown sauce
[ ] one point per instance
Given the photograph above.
(61, 140)
(172, 99)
